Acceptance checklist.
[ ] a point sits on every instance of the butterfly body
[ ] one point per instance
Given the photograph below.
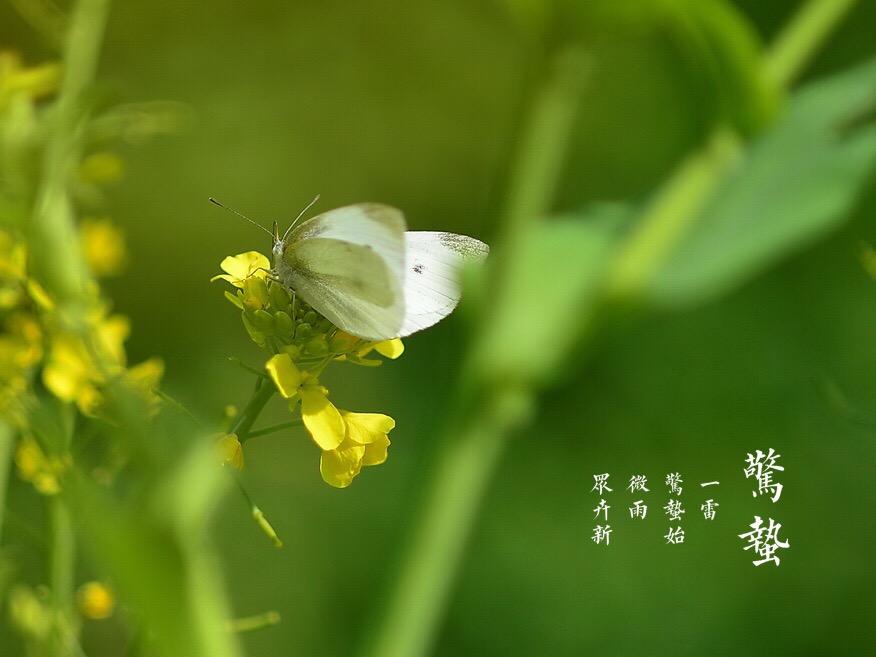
(360, 268)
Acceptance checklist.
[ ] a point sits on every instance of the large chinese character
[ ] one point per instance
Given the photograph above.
(674, 482)
(639, 510)
(602, 507)
(638, 482)
(600, 534)
(674, 510)
(708, 509)
(675, 536)
(601, 484)
(761, 466)
(764, 540)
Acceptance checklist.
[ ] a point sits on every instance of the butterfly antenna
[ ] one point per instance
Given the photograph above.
(300, 214)
(242, 216)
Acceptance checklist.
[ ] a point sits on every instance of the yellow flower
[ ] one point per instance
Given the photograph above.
(365, 443)
(103, 245)
(390, 348)
(231, 451)
(12, 271)
(27, 612)
(144, 378)
(321, 419)
(74, 373)
(101, 168)
(35, 467)
(285, 374)
(96, 600)
(28, 82)
(240, 267)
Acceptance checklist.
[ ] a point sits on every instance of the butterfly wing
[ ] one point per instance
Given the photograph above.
(348, 264)
(434, 263)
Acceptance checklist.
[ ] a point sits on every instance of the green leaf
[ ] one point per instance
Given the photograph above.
(795, 183)
(155, 548)
(553, 289)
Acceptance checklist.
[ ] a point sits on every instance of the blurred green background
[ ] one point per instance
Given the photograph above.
(416, 105)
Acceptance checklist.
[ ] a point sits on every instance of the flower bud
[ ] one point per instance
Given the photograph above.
(264, 321)
(316, 347)
(303, 331)
(284, 325)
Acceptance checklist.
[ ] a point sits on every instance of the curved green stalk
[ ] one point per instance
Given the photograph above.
(676, 206)
(473, 446)
(802, 37)
(243, 423)
(494, 409)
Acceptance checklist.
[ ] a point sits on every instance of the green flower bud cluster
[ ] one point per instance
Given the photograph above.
(282, 322)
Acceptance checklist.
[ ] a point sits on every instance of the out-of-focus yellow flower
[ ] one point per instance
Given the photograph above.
(243, 266)
(365, 443)
(34, 466)
(231, 451)
(21, 349)
(27, 613)
(74, 372)
(101, 168)
(21, 346)
(13, 257)
(31, 83)
(103, 246)
(95, 600)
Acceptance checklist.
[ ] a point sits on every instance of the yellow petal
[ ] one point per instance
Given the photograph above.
(242, 266)
(231, 451)
(339, 467)
(375, 453)
(285, 375)
(366, 428)
(390, 348)
(321, 419)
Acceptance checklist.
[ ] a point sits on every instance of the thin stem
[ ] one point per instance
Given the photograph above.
(273, 429)
(182, 410)
(62, 574)
(472, 448)
(250, 413)
(801, 38)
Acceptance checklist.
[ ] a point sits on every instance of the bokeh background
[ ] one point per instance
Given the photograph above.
(416, 105)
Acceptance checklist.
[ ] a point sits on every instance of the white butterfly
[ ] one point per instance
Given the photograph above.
(362, 270)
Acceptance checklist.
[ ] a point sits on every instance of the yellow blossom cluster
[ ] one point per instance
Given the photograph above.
(48, 349)
(302, 343)
(73, 366)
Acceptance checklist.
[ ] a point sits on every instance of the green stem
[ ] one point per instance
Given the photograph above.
(471, 450)
(58, 259)
(678, 204)
(274, 428)
(802, 37)
(250, 413)
(62, 575)
(673, 210)
(7, 439)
